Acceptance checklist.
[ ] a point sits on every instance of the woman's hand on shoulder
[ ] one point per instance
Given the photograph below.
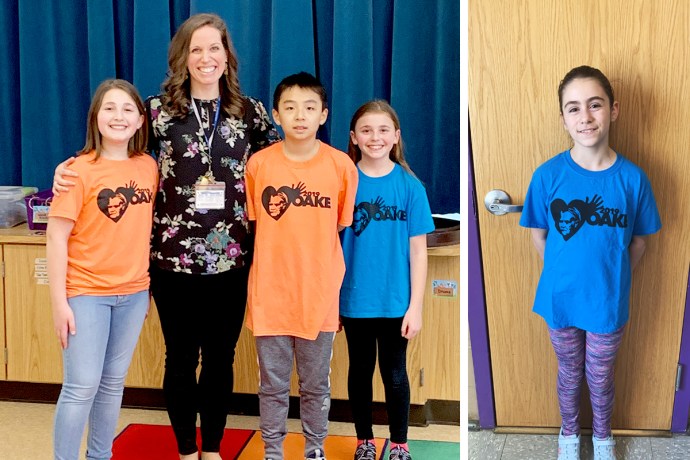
(62, 172)
(63, 319)
(412, 322)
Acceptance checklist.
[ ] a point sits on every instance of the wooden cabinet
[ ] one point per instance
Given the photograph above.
(3, 367)
(33, 352)
(32, 349)
(34, 355)
(440, 336)
(148, 361)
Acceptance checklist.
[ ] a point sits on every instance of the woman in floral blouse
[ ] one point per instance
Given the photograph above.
(203, 131)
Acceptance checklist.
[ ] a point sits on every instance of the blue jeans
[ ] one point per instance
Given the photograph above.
(95, 366)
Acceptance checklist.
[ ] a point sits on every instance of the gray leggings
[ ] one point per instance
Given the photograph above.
(313, 358)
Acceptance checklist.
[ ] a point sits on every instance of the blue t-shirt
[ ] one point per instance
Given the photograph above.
(591, 217)
(388, 211)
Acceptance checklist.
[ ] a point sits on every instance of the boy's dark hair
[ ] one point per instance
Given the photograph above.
(585, 71)
(303, 80)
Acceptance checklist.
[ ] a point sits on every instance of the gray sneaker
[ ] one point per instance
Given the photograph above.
(398, 453)
(318, 454)
(365, 451)
(568, 446)
(604, 449)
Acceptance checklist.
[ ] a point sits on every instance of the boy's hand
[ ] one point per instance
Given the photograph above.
(412, 322)
(60, 183)
(63, 319)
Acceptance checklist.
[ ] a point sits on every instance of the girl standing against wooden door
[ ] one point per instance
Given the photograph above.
(589, 209)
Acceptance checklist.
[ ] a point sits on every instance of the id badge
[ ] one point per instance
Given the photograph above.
(210, 196)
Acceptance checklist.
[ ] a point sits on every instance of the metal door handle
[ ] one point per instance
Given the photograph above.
(498, 203)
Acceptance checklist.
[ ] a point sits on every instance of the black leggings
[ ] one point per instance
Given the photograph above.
(363, 336)
(200, 314)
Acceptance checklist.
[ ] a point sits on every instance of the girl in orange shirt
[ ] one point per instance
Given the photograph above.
(98, 247)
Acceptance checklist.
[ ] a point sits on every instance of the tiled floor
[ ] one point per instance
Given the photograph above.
(486, 445)
(26, 429)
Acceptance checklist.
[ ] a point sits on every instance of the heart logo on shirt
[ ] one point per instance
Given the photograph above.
(113, 204)
(363, 214)
(569, 218)
(276, 202)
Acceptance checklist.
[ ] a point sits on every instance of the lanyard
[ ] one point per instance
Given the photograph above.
(213, 130)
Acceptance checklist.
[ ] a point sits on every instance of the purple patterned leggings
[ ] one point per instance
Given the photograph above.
(585, 354)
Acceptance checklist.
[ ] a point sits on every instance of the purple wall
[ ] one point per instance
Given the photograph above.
(476, 312)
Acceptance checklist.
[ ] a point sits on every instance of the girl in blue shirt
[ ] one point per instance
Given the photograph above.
(386, 263)
(589, 210)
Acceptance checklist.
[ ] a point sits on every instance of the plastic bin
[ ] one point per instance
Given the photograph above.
(37, 207)
(12, 209)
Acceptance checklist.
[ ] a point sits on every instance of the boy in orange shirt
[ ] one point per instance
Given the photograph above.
(300, 193)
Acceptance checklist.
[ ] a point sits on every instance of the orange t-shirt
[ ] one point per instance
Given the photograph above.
(112, 209)
(298, 264)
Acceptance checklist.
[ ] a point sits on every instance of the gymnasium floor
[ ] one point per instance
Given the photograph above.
(26, 428)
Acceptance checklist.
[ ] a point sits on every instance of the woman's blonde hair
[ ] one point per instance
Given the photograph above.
(176, 87)
(137, 143)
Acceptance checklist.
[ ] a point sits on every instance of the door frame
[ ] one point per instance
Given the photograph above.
(681, 403)
(479, 329)
(476, 308)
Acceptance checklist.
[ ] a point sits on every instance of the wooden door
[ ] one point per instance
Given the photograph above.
(518, 52)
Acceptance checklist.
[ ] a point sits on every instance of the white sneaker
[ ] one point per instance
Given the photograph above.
(569, 446)
(604, 449)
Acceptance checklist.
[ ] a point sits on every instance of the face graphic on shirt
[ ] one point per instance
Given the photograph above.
(568, 218)
(277, 205)
(116, 206)
(276, 202)
(568, 221)
(114, 203)
(360, 219)
(364, 212)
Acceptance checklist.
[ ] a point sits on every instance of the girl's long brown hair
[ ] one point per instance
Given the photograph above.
(176, 87)
(378, 106)
(137, 143)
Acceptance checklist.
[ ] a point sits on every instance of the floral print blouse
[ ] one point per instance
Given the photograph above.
(203, 241)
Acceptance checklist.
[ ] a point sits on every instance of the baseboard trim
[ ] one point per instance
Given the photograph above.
(584, 431)
(433, 412)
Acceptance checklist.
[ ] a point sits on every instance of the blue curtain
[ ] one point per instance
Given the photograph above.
(55, 53)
